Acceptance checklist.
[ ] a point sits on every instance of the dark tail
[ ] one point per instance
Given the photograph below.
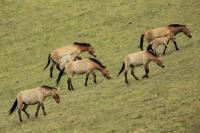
(122, 69)
(13, 107)
(49, 60)
(60, 75)
(141, 41)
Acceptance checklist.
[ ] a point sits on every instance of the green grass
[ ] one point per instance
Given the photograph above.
(167, 102)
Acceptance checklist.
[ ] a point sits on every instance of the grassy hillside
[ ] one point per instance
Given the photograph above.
(167, 102)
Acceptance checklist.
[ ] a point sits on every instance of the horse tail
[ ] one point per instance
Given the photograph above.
(13, 107)
(122, 69)
(60, 75)
(141, 41)
(49, 60)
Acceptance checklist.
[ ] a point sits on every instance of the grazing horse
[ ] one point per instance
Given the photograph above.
(61, 56)
(84, 66)
(34, 96)
(172, 29)
(138, 59)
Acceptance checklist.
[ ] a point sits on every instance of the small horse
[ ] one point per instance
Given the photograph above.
(163, 40)
(138, 59)
(172, 29)
(61, 56)
(34, 96)
(85, 66)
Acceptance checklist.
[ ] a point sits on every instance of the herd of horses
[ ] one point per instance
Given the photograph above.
(68, 61)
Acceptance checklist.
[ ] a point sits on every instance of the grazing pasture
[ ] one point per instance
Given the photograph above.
(167, 102)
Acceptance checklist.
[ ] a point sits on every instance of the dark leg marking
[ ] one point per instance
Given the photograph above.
(164, 50)
(146, 71)
(87, 76)
(36, 114)
(94, 75)
(51, 70)
(68, 84)
(24, 110)
(175, 44)
(125, 75)
(20, 117)
(132, 73)
(43, 109)
(70, 81)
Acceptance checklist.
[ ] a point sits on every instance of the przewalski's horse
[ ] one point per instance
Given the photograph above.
(84, 66)
(163, 40)
(61, 56)
(138, 59)
(172, 29)
(34, 96)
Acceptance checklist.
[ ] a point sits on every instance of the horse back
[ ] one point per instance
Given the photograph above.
(30, 96)
(157, 32)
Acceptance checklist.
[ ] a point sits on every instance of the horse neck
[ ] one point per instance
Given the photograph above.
(176, 30)
(47, 92)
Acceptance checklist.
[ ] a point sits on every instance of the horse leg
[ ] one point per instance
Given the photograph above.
(57, 66)
(94, 75)
(146, 71)
(24, 110)
(125, 75)
(132, 73)
(51, 70)
(43, 108)
(164, 50)
(71, 85)
(175, 44)
(68, 84)
(20, 117)
(36, 114)
(87, 76)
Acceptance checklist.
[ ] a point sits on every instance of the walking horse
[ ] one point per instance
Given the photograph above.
(141, 58)
(34, 96)
(84, 66)
(172, 30)
(61, 56)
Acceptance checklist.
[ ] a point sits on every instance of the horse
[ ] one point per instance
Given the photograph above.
(84, 66)
(161, 40)
(138, 59)
(34, 96)
(61, 56)
(172, 29)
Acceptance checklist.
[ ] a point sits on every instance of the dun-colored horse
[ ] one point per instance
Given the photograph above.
(85, 66)
(61, 56)
(164, 40)
(172, 29)
(33, 96)
(138, 59)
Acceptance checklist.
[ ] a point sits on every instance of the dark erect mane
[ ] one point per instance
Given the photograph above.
(48, 87)
(82, 44)
(97, 62)
(176, 25)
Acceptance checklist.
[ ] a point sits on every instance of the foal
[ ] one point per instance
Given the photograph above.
(85, 66)
(161, 40)
(138, 59)
(34, 96)
(172, 29)
(61, 56)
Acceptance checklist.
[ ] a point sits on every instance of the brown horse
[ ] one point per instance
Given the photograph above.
(172, 30)
(85, 66)
(139, 59)
(61, 56)
(34, 96)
